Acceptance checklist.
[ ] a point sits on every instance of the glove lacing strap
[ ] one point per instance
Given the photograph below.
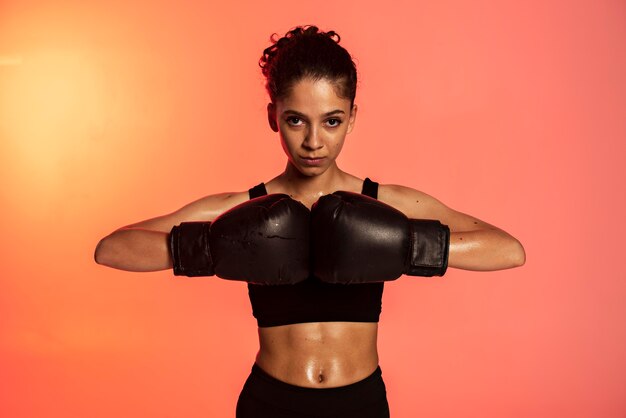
(189, 246)
(430, 241)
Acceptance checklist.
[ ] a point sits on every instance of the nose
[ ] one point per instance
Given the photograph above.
(312, 140)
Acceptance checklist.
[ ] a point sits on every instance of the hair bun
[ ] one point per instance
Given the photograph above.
(306, 51)
(297, 32)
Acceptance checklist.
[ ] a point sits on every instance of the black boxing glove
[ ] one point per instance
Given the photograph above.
(358, 239)
(264, 240)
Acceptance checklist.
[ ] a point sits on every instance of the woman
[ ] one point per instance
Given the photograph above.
(318, 341)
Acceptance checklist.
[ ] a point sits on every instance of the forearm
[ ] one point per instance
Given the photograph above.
(483, 250)
(134, 250)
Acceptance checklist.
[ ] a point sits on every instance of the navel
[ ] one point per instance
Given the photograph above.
(321, 378)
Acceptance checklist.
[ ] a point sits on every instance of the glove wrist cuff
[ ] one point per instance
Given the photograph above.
(430, 242)
(190, 250)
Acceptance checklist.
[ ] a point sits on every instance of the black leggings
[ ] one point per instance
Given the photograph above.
(264, 396)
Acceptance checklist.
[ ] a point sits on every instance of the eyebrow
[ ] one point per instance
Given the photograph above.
(295, 112)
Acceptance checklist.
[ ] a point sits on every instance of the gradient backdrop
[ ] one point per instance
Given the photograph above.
(112, 112)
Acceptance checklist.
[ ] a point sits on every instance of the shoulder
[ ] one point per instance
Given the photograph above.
(206, 208)
(419, 205)
(211, 206)
(413, 203)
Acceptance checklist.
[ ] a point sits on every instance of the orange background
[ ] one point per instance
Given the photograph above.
(514, 112)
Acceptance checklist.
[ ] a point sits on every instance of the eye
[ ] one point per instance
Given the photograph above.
(294, 121)
(333, 122)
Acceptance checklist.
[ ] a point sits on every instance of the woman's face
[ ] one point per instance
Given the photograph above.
(312, 122)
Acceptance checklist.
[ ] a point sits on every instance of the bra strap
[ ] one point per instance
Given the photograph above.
(257, 191)
(370, 188)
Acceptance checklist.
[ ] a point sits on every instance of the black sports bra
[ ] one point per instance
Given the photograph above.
(312, 300)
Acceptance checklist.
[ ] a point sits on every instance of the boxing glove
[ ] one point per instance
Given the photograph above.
(358, 239)
(263, 240)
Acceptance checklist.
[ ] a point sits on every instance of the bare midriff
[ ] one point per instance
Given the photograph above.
(319, 354)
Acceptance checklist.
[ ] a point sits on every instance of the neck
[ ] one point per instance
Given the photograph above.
(300, 185)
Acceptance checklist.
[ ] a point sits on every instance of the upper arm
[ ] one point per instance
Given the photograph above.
(419, 205)
(204, 209)
(486, 247)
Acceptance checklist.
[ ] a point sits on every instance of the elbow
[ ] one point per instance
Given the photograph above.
(97, 254)
(517, 254)
(100, 253)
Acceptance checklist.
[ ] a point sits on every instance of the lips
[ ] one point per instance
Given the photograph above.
(312, 161)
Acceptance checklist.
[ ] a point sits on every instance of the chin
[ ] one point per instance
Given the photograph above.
(308, 172)
(311, 171)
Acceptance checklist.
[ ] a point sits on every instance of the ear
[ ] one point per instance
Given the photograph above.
(271, 116)
(352, 118)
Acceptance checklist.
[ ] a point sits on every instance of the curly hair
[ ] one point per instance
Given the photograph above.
(304, 52)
